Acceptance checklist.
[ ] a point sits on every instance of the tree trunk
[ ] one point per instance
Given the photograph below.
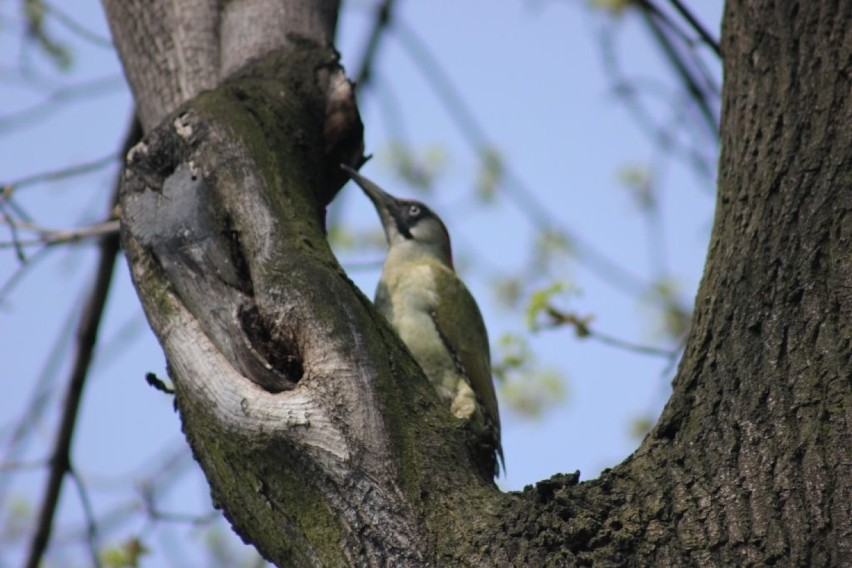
(321, 439)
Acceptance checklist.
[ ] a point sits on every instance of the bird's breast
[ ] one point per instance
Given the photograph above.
(410, 299)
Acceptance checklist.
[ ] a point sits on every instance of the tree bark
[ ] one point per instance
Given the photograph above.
(172, 51)
(321, 439)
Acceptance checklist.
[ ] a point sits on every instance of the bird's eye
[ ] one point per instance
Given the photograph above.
(414, 210)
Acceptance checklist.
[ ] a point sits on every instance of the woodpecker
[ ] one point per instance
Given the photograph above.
(434, 314)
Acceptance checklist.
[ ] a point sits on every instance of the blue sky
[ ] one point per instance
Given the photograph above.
(533, 75)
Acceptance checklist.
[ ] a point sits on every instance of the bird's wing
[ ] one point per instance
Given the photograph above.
(467, 339)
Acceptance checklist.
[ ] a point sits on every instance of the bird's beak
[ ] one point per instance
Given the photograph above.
(386, 205)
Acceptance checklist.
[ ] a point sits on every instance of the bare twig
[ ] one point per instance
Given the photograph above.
(697, 26)
(62, 173)
(19, 220)
(78, 28)
(628, 89)
(392, 116)
(113, 347)
(41, 110)
(88, 511)
(691, 21)
(384, 13)
(13, 206)
(630, 346)
(582, 329)
(22, 466)
(680, 63)
(149, 501)
(13, 229)
(171, 464)
(87, 330)
(49, 237)
(34, 410)
(19, 274)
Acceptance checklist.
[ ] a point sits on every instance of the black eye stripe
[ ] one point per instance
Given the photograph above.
(408, 214)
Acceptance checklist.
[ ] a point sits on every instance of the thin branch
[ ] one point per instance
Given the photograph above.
(91, 521)
(48, 237)
(87, 331)
(384, 13)
(697, 26)
(19, 274)
(9, 202)
(693, 23)
(582, 329)
(62, 173)
(33, 414)
(78, 28)
(13, 229)
(627, 90)
(172, 464)
(23, 466)
(679, 62)
(149, 502)
(392, 116)
(113, 347)
(41, 110)
(695, 60)
(630, 346)
(86, 339)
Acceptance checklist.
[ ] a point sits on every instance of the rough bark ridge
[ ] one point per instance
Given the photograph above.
(172, 51)
(763, 400)
(749, 464)
(237, 296)
(321, 439)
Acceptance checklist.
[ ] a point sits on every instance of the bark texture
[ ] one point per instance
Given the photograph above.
(750, 462)
(772, 360)
(260, 325)
(172, 51)
(321, 439)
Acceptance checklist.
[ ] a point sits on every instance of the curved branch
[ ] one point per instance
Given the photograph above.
(269, 345)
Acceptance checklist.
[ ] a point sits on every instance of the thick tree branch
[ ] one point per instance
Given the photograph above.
(268, 343)
(200, 43)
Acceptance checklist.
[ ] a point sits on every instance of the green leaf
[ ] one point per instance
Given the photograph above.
(617, 7)
(126, 555)
(541, 300)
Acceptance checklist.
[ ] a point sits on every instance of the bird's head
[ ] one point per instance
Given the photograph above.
(412, 229)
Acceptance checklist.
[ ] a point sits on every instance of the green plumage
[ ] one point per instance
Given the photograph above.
(434, 313)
